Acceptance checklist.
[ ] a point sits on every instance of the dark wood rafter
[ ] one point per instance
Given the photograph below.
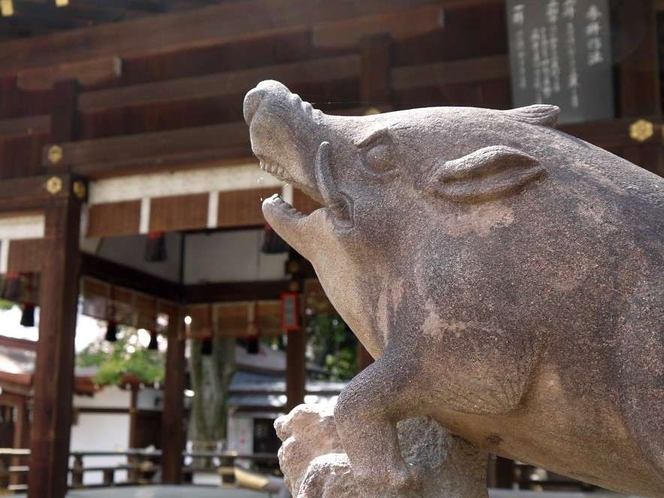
(206, 26)
(451, 72)
(124, 276)
(215, 85)
(31, 193)
(613, 134)
(235, 291)
(31, 125)
(87, 73)
(161, 150)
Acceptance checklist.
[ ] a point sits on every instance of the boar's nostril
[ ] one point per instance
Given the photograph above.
(251, 103)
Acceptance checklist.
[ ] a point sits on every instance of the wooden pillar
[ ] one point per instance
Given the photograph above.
(296, 368)
(133, 415)
(296, 373)
(172, 433)
(54, 369)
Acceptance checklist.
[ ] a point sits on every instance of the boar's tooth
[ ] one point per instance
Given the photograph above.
(328, 191)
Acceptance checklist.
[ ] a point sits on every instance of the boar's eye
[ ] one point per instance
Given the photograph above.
(377, 149)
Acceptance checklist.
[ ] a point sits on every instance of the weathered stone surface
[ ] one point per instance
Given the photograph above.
(507, 277)
(315, 465)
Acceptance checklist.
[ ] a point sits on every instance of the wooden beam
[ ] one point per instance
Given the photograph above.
(31, 193)
(54, 370)
(452, 72)
(235, 291)
(397, 25)
(214, 25)
(611, 134)
(124, 276)
(148, 151)
(30, 125)
(11, 342)
(172, 433)
(222, 84)
(87, 73)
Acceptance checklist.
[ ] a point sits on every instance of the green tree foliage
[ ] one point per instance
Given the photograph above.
(125, 356)
(332, 346)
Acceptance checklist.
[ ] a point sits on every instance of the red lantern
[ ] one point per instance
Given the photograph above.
(290, 312)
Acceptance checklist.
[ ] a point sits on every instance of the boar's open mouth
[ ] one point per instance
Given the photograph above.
(325, 191)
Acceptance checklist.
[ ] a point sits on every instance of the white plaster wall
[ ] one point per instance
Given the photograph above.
(102, 432)
(230, 256)
(108, 397)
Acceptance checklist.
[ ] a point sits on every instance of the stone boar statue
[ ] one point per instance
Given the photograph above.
(508, 278)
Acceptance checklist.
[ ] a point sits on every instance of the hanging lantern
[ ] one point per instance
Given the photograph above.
(206, 342)
(12, 286)
(290, 312)
(272, 243)
(112, 331)
(253, 332)
(28, 315)
(253, 345)
(155, 247)
(206, 346)
(112, 325)
(154, 344)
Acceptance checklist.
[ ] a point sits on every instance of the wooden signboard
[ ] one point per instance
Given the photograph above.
(560, 53)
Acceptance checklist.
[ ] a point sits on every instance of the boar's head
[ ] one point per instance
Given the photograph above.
(369, 169)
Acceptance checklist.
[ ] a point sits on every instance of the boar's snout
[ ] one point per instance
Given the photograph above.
(265, 91)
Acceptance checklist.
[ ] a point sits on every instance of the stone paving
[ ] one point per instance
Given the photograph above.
(164, 492)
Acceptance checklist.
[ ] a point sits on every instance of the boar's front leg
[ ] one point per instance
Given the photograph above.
(366, 416)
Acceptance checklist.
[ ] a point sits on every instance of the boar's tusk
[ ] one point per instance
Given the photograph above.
(485, 174)
(332, 197)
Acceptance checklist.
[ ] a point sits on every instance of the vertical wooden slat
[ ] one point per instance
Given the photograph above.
(54, 369)
(172, 434)
(636, 52)
(9, 98)
(64, 119)
(375, 53)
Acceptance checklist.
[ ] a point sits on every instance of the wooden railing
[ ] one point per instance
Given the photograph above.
(141, 466)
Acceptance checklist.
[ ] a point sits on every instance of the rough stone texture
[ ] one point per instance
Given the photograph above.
(507, 277)
(315, 465)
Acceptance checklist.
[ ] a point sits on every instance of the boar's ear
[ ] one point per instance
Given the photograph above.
(539, 114)
(485, 174)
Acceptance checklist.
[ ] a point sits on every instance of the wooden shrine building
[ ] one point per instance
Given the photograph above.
(127, 121)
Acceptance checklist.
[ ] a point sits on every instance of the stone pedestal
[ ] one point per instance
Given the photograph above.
(315, 465)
